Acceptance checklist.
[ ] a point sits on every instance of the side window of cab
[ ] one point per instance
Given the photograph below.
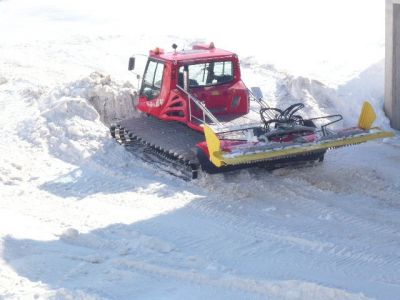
(152, 80)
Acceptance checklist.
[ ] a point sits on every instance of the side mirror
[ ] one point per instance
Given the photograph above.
(257, 92)
(131, 65)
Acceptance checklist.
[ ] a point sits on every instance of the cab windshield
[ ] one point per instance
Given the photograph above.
(207, 74)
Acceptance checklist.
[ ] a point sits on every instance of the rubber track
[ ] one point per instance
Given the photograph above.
(170, 140)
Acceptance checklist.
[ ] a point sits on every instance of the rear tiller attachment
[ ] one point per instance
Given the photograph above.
(284, 134)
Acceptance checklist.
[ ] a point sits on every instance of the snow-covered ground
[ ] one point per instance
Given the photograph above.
(81, 218)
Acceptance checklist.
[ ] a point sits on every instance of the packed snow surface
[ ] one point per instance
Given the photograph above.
(82, 218)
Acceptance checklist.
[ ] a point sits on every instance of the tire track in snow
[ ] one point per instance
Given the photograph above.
(275, 289)
(284, 239)
(343, 255)
(310, 200)
(362, 181)
(307, 197)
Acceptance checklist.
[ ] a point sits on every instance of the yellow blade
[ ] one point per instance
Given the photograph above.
(213, 144)
(220, 158)
(300, 150)
(367, 116)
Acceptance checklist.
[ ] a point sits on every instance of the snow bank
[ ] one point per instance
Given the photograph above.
(112, 100)
(320, 99)
(70, 118)
(346, 100)
(368, 85)
(317, 98)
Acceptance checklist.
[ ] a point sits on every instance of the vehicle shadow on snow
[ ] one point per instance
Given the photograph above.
(166, 256)
(197, 252)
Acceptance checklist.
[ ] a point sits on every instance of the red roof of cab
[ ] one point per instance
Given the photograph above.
(199, 52)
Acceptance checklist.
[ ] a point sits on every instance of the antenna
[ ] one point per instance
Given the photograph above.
(174, 46)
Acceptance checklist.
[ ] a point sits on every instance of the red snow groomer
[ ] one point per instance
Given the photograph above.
(198, 114)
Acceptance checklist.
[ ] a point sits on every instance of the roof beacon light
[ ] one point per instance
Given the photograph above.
(212, 46)
(157, 51)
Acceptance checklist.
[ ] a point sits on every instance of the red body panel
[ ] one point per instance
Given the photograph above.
(229, 98)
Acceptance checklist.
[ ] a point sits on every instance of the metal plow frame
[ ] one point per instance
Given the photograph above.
(220, 158)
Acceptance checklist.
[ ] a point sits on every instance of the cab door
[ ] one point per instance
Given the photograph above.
(151, 91)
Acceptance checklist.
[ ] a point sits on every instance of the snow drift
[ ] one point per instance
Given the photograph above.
(320, 99)
(70, 119)
(112, 100)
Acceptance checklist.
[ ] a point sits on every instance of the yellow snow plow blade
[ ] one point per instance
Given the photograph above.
(221, 158)
(214, 146)
(367, 116)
